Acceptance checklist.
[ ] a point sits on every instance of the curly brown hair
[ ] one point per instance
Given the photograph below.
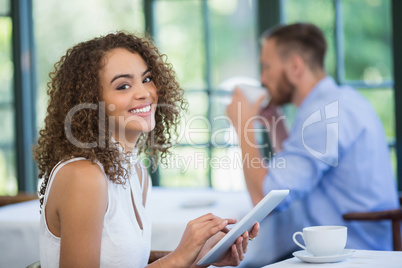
(75, 81)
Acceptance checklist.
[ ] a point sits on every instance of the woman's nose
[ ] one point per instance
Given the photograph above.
(141, 92)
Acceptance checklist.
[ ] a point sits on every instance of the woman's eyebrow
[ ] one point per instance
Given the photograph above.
(122, 76)
(146, 71)
(129, 75)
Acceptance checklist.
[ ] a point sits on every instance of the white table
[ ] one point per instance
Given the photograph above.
(361, 258)
(171, 210)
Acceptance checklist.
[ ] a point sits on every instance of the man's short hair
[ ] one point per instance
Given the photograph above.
(305, 39)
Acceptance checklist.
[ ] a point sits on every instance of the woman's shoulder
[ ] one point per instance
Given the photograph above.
(80, 189)
(82, 170)
(80, 177)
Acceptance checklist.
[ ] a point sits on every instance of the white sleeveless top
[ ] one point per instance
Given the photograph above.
(123, 244)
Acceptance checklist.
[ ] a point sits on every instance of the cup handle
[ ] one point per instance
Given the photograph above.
(297, 242)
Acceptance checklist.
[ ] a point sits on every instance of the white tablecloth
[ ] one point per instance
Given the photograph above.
(171, 210)
(361, 258)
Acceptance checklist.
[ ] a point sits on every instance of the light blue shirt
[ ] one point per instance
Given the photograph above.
(336, 160)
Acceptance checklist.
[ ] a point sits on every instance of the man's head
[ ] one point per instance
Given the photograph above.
(291, 55)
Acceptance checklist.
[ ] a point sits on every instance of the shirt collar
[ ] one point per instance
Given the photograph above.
(324, 84)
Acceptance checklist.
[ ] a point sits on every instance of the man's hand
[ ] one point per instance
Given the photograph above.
(240, 111)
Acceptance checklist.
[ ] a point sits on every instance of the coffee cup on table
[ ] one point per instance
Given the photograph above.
(253, 93)
(323, 240)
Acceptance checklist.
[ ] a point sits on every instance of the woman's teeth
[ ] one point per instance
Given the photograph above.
(141, 110)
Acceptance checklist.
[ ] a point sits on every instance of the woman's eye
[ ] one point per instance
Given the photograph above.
(147, 79)
(124, 86)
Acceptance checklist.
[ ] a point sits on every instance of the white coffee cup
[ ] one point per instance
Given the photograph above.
(253, 93)
(323, 240)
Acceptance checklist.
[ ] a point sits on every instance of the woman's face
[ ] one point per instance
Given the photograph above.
(129, 93)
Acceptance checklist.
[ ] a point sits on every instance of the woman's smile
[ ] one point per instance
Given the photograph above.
(141, 110)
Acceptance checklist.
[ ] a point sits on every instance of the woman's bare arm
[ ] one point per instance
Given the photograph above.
(79, 197)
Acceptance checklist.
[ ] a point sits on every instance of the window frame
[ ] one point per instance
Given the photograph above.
(396, 9)
(209, 88)
(24, 93)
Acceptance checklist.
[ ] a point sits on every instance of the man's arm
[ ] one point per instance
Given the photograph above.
(243, 114)
(253, 169)
(274, 121)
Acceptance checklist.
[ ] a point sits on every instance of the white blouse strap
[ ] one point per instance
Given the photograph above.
(53, 173)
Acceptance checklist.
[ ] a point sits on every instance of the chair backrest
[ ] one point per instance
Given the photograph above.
(395, 216)
(20, 197)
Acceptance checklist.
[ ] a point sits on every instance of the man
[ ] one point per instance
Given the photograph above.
(336, 155)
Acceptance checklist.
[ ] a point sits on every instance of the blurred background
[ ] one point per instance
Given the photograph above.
(208, 42)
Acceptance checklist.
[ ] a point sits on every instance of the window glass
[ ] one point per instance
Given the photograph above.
(186, 167)
(227, 169)
(58, 25)
(382, 100)
(8, 178)
(233, 40)
(6, 66)
(195, 127)
(209, 41)
(367, 54)
(7, 125)
(367, 28)
(179, 34)
(8, 181)
(320, 13)
(393, 160)
(4, 7)
(223, 133)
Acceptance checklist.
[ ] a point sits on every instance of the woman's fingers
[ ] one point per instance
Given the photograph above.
(254, 232)
(208, 225)
(211, 217)
(239, 246)
(237, 254)
(226, 229)
(211, 221)
(245, 241)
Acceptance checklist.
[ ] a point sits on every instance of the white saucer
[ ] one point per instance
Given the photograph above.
(308, 257)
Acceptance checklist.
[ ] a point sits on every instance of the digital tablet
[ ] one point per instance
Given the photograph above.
(257, 214)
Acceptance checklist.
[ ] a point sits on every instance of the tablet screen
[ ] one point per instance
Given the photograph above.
(257, 214)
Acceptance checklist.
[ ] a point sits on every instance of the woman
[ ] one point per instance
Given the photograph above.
(111, 98)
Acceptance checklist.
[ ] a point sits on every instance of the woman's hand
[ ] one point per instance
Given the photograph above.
(195, 236)
(235, 254)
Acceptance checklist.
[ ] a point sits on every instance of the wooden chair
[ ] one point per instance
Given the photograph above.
(155, 255)
(20, 197)
(394, 215)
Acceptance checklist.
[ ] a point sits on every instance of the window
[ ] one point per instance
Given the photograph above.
(209, 44)
(8, 176)
(79, 21)
(359, 48)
